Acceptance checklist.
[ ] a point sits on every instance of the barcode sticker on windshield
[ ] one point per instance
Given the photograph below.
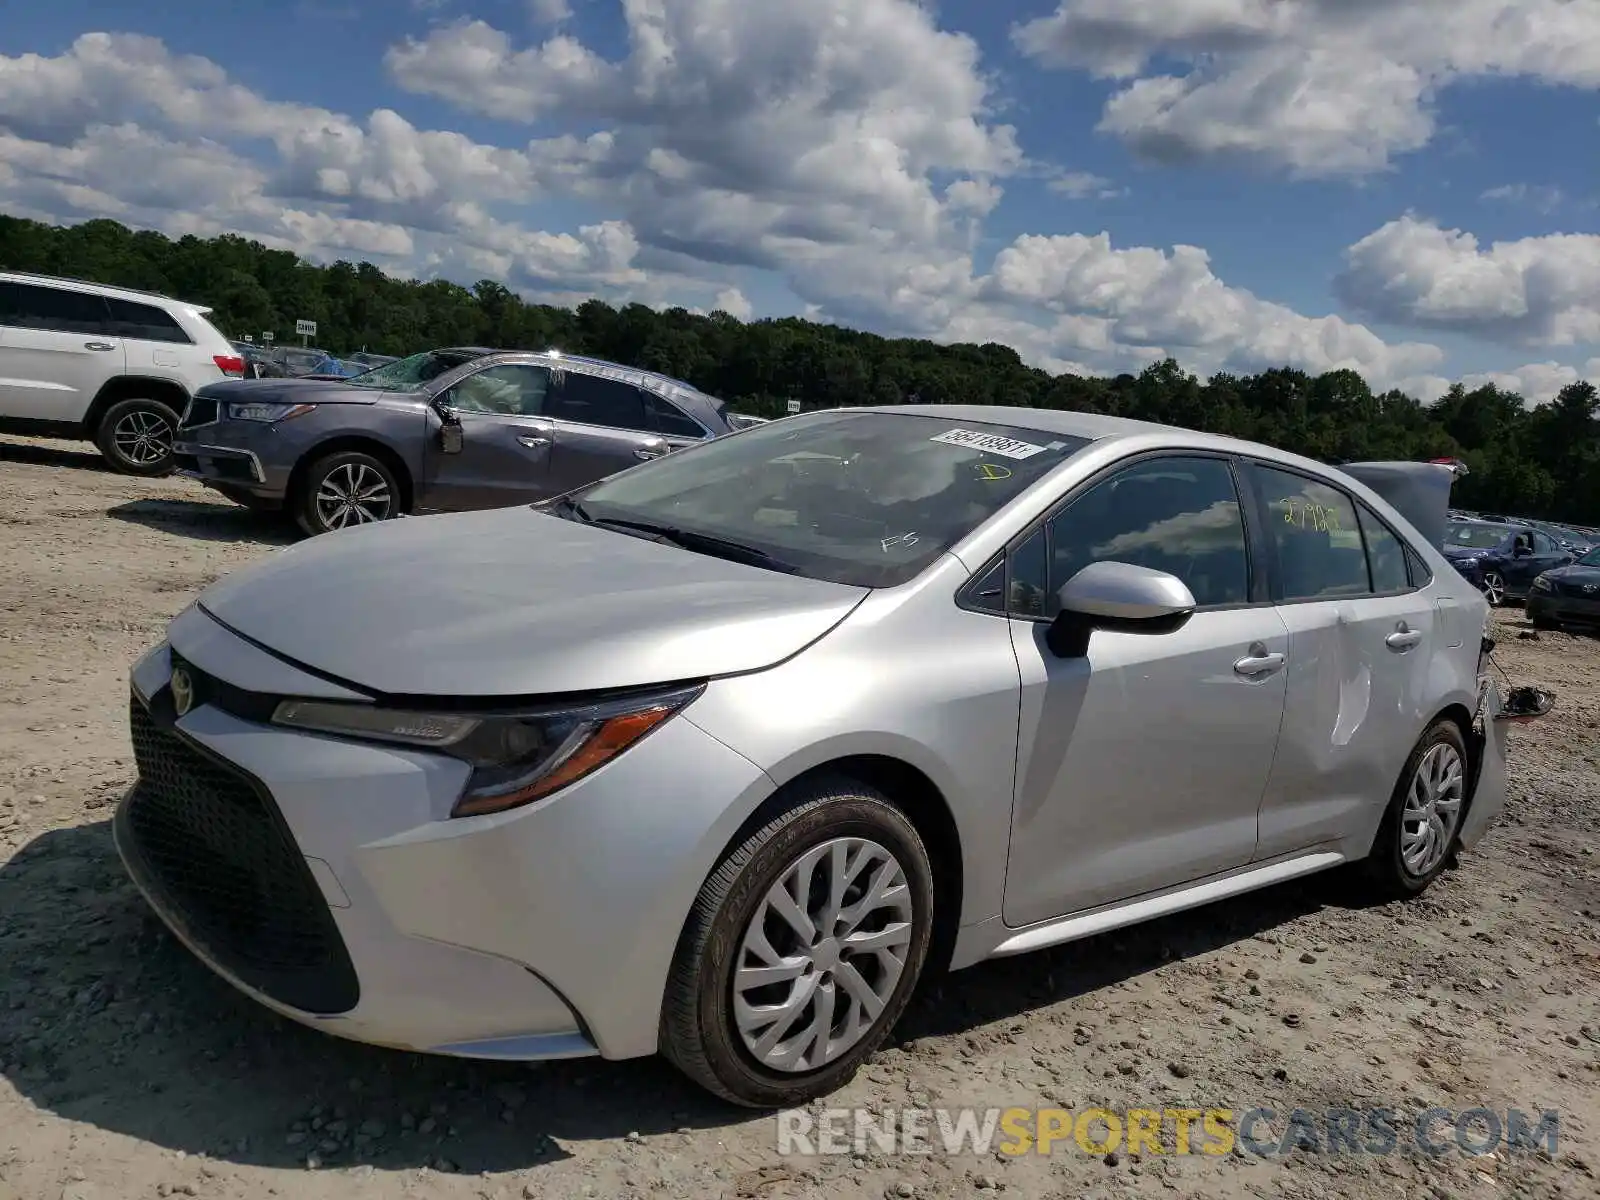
(989, 443)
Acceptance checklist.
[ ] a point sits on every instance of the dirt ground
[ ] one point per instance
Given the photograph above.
(128, 1071)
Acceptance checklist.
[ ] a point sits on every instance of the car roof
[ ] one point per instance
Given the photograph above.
(1092, 427)
(100, 289)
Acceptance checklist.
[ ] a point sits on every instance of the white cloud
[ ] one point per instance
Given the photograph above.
(1535, 291)
(1319, 87)
(1540, 198)
(732, 301)
(850, 147)
(549, 12)
(1537, 383)
(1083, 185)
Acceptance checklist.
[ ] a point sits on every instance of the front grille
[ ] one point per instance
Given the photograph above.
(212, 847)
(201, 411)
(1571, 588)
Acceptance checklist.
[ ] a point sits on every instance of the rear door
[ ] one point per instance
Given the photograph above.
(601, 427)
(506, 441)
(57, 349)
(1361, 636)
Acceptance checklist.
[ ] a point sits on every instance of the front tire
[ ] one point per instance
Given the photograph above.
(346, 489)
(1421, 827)
(802, 949)
(135, 437)
(1494, 588)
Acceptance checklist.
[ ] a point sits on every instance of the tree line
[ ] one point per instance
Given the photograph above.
(1534, 462)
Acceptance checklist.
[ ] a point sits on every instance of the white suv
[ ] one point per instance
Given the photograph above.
(114, 366)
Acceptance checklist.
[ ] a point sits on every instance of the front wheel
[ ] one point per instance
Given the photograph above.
(345, 489)
(135, 437)
(802, 949)
(1423, 820)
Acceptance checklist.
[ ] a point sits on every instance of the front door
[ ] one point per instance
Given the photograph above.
(601, 427)
(506, 441)
(1361, 635)
(1141, 766)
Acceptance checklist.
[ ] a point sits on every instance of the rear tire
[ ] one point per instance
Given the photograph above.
(346, 489)
(741, 964)
(135, 437)
(1421, 828)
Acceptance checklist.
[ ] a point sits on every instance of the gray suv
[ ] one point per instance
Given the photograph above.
(446, 430)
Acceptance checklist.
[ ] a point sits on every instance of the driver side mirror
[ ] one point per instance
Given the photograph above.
(450, 434)
(1521, 550)
(1116, 596)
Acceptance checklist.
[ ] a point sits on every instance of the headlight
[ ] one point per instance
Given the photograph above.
(516, 758)
(269, 413)
(1542, 584)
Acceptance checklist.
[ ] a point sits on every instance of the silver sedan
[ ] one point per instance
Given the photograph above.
(717, 756)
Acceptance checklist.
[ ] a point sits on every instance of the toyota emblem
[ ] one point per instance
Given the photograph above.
(1590, 587)
(182, 691)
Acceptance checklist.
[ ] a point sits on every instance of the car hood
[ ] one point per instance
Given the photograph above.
(515, 602)
(291, 391)
(1575, 573)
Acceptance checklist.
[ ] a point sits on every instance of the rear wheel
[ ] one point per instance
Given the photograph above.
(135, 437)
(802, 950)
(345, 489)
(1419, 832)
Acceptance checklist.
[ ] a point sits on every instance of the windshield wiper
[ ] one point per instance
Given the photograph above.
(704, 543)
(567, 506)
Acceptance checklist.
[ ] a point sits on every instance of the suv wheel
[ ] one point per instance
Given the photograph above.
(135, 437)
(1418, 836)
(346, 489)
(802, 949)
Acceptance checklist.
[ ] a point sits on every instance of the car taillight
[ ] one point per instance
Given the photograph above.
(229, 364)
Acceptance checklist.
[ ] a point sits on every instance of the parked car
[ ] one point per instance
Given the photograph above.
(108, 365)
(716, 756)
(1568, 595)
(1502, 560)
(444, 430)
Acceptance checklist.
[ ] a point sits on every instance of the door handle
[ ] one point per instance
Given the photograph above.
(98, 346)
(1258, 663)
(532, 442)
(1403, 639)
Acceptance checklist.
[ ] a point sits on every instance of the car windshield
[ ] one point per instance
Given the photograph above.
(1474, 537)
(414, 373)
(868, 499)
(1591, 559)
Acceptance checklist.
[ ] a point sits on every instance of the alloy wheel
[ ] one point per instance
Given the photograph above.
(822, 954)
(1432, 810)
(1494, 588)
(353, 494)
(143, 437)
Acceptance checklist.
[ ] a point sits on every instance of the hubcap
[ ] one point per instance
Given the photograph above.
(353, 494)
(822, 955)
(142, 437)
(1433, 806)
(1494, 588)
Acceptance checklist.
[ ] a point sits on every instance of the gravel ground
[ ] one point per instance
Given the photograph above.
(128, 1071)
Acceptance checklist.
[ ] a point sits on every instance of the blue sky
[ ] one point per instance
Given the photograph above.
(1410, 190)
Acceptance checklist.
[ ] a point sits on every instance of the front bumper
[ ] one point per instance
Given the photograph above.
(1564, 609)
(546, 932)
(234, 456)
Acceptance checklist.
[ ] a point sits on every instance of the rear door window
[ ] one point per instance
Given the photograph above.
(146, 322)
(1386, 554)
(1314, 534)
(591, 400)
(670, 419)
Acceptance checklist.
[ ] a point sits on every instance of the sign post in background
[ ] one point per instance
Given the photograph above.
(307, 330)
